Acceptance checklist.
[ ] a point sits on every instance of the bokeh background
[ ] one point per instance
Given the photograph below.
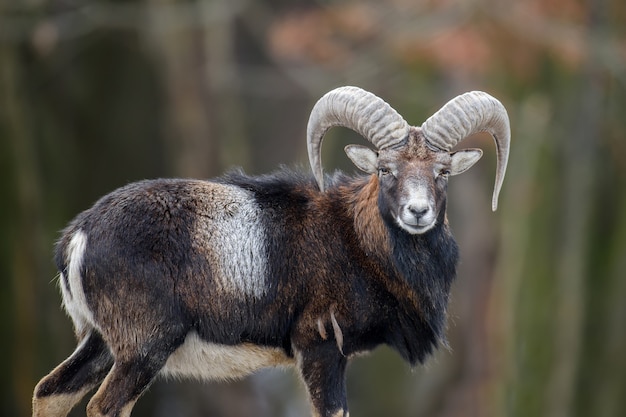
(96, 94)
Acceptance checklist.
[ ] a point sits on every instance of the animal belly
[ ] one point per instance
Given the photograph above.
(202, 360)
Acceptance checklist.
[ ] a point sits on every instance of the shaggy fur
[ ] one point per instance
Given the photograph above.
(214, 279)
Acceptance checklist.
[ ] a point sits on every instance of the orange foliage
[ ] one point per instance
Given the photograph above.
(470, 39)
(557, 10)
(463, 48)
(322, 36)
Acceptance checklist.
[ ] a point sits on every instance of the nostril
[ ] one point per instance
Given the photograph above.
(418, 212)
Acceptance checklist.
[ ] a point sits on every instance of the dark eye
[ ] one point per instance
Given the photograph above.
(384, 171)
(444, 173)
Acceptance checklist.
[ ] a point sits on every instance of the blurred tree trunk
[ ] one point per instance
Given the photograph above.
(580, 157)
(519, 201)
(182, 53)
(601, 381)
(25, 233)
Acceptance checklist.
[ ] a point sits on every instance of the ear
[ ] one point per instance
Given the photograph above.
(463, 160)
(364, 158)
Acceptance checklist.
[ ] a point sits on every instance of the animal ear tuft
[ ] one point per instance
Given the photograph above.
(363, 157)
(464, 160)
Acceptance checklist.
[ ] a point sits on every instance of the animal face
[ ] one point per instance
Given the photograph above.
(413, 179)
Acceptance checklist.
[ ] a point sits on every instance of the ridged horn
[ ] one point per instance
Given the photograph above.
(356, 109)
(465, 115)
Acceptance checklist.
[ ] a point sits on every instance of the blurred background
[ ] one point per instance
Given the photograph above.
(96, 94)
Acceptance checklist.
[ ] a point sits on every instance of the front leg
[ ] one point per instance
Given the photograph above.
(323, 369)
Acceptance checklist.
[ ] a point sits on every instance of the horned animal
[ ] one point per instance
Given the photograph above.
(214, 279)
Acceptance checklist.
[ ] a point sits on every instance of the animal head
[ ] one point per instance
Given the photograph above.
(412, 163)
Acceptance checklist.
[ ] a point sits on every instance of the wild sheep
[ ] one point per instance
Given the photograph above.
(215, 279)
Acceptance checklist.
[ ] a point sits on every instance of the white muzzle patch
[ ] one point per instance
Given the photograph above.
(417, 212)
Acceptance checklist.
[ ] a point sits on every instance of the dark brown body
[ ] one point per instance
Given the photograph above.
(336, 280)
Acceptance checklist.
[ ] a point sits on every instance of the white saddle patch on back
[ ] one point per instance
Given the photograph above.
(235, 241)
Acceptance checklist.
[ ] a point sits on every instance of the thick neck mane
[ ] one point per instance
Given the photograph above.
(362, 200)
(417, 269)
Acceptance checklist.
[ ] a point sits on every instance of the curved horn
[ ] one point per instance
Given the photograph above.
(359, 110)
(465, 115)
